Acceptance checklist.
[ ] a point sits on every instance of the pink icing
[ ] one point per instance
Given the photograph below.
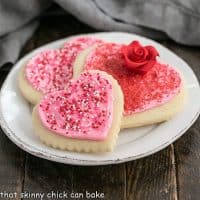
(51, 70)
(141, 92)
(83, 111)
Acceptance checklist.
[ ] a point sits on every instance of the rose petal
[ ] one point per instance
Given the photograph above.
(127, 52)
(136, 44)
(145, 68)
(135, 56)
(132, 65)
(146, 53)
(152, 52)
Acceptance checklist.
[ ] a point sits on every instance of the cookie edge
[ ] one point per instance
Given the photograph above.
(29, 93)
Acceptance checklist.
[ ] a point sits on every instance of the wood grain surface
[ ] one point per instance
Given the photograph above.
(173, 173)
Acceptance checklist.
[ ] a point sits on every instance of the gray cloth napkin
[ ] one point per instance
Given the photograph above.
(177, 19)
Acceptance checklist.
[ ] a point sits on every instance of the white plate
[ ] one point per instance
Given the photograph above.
(15, 115)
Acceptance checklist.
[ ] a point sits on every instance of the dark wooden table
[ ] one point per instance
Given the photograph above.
(173, 173)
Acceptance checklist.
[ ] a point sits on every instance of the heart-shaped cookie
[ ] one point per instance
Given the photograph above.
(149, 98)
(51, 70)
(84, 117)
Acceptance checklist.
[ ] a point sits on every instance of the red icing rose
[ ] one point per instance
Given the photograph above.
(139, 58)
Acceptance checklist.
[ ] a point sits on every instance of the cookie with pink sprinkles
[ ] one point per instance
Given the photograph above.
(85, 117)
(153, 91)
(51, 69)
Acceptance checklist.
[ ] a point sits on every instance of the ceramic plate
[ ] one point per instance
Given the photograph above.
(15, 115)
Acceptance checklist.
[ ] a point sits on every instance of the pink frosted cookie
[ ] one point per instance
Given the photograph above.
(84, 117)
(153, 91)
(51, 70)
